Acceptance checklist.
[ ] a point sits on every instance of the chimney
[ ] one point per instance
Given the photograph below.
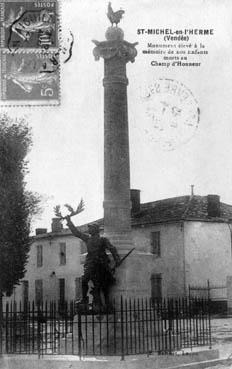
(192, 190)
(135, 201)
(213, 206)
(40, 231)
(57, 225)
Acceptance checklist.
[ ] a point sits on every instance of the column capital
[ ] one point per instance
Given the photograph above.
(115, 48)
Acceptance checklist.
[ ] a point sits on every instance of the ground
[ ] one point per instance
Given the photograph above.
(222, 339)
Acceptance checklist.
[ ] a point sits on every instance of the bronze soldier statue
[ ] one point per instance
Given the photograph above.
(97, 264)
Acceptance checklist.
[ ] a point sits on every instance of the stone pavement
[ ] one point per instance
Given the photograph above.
(222, 340)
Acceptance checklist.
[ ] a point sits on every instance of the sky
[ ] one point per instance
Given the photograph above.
(66, 160)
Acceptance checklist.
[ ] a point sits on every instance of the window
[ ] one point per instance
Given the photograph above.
(39, 255)
(38, 291)
(25, 287)
(62, 253)
(83, 247)
(78, 288)
(155, 243)
(156, 286)
(62, 289)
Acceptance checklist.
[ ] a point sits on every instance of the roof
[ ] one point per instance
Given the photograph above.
(66, 231)
(167, 210)
(180, 208)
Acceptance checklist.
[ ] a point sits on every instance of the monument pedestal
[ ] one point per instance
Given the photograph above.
(129, 329)
(133, 276)
(98, 335)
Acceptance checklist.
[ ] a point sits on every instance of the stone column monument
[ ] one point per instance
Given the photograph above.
(117, 206)
(116, 53)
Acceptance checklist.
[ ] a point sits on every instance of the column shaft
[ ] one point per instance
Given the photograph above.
(117, 203)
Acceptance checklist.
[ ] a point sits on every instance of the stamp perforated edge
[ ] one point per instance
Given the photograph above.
(32, 103)
(40, 50)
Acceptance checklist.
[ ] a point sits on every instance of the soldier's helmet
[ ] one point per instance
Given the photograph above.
(94, 227)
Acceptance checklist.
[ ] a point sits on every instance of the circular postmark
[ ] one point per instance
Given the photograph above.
(171, 113)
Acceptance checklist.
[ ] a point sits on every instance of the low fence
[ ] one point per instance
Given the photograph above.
(139, 326)
(216, 294)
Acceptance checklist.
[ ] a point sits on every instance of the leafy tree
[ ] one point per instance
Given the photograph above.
(17, 206)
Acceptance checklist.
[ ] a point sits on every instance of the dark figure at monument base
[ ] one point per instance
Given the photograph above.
(97, 264)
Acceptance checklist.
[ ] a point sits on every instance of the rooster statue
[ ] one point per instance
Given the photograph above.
(114, 17)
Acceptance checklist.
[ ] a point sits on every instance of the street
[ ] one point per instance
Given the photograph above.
(222, 339)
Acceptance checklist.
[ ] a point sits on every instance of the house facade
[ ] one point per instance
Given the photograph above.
(54, 267)
(195, 244)
(188, 241)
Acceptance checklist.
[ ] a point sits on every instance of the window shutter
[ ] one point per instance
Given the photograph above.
(39, 255)
(38, 291)
(25, 293)
(83, 247)
(156, 286)
(62, 289)
(62, 253)
(78, 288)
(155, 243)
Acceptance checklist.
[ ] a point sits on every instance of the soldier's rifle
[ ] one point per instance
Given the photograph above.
(122, 259)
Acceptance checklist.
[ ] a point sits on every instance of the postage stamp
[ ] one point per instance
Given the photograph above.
(29, 24)
(29, 78)
(171, 111)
